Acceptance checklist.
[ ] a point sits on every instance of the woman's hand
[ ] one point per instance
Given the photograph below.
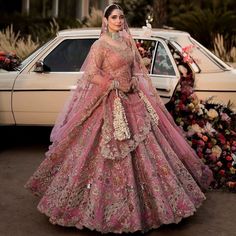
(134, 83)
(124, 86)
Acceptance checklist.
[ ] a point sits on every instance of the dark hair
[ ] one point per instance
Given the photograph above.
(110, 9)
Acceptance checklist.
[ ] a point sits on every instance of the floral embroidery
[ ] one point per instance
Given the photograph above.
(90, 179)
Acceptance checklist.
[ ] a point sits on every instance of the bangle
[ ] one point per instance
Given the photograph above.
(135, 78)
(115, 84)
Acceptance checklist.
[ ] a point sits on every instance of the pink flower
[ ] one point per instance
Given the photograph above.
(229, 158)
(222, 172)
(200, 135)
(225, 117)
(190, 133)
(188, 48)
(201, 143)
(221, 138)
(181, 106)
(187, 58)
(209, 145)
(200, 154)
(7, 60)
(213, 157)
(229, 165)
(219, 163)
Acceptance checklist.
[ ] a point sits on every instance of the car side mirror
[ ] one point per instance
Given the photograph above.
(39, 66)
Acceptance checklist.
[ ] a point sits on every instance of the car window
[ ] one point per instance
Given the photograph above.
(207, 61)
(68, 56)
(146, 49)
(33, 54)
(162, 63)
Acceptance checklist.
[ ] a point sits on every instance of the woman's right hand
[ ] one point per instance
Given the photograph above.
(125, 86)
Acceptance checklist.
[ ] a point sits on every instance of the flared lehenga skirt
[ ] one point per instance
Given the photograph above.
(154, 181)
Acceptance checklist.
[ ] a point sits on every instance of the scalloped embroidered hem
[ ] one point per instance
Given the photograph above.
(82, 226)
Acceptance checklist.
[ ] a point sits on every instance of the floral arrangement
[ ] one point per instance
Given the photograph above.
(145, 48)
(9, 61)
(209, 127)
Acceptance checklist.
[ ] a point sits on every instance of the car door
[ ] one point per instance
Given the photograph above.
(164, 72)
(7, 79)
(39, 96)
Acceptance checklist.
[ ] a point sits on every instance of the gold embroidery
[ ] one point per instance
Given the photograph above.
(149, 107)
(120, 123)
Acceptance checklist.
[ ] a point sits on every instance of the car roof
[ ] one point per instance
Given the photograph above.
(137, 32)
(181, 37)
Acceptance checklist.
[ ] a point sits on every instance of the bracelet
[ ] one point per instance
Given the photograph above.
(134, 78)
(115, 84)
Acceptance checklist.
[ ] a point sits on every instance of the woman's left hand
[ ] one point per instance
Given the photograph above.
(134, 83)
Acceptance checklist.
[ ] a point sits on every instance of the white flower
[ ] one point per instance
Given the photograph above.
(212, 114)
(208, 128)
(196, 128)
(216, 150)
(234, 159)
(200, 112)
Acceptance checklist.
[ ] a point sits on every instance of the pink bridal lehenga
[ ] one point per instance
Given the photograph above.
(92, 178)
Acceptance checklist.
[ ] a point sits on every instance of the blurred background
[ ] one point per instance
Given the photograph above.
(26, 24)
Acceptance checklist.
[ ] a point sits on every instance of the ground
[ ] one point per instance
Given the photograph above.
(21, 151)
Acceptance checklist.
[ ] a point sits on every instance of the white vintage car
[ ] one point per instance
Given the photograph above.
(35, 93)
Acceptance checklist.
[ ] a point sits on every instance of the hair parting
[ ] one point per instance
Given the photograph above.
(109, 9)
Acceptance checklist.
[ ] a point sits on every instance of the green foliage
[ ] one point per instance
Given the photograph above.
(204, 20)
(136, 11)
(40, 29)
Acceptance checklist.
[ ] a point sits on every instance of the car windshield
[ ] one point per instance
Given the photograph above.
(32, 55)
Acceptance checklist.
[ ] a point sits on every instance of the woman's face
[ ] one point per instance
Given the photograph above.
(115, 21)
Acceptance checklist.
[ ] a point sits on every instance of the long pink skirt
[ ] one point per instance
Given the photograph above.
(157, 179)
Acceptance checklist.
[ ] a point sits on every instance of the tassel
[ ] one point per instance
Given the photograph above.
(120, 123)
(149, 107)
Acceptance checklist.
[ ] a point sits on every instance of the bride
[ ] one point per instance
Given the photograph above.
(117, 163)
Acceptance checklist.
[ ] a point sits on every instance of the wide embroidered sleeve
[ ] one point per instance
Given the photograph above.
(93, 69)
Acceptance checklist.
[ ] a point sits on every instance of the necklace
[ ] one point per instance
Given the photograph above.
(114, 35)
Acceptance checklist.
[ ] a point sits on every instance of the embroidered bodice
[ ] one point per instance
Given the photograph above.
(112, 58)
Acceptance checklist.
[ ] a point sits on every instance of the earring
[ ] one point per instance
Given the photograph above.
(105, 22)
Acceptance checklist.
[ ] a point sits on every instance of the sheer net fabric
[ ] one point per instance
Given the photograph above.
(89, 179)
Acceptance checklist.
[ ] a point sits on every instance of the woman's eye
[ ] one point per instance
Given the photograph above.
(114, 17)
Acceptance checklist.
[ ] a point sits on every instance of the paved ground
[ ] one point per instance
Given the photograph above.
(21, 151)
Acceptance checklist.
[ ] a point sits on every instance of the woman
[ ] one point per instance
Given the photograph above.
(118, 162)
